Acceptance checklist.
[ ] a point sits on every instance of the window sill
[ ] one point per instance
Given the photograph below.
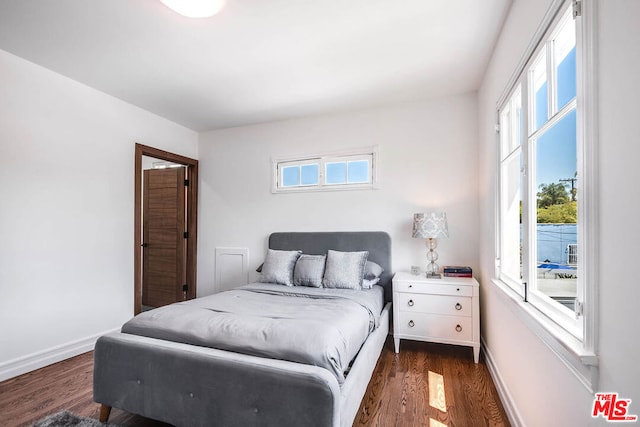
(581, 362)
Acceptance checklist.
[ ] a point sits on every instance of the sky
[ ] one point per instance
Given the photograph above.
(556, 148)
(341, 172)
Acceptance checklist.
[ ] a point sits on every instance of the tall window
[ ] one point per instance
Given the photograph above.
(541, 180)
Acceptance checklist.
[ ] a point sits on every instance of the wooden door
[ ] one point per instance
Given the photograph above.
(164, 238)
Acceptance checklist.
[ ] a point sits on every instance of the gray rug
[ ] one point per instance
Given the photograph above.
(67, 419)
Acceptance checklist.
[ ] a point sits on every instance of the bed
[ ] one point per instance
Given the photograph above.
(185, 382)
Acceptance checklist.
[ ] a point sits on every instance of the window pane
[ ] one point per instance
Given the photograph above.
(511, 191)
(556, 157)
(505, 132)
(290, 176)
(567, 78)
(309, 174)
(541, 105)
(511, 126)
(358, 171)
(511, 245)
(565, 61)
(556, 181)
(336, 173)
(539, 99)
(516, 138)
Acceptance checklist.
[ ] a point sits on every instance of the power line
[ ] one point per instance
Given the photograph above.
(573, 187)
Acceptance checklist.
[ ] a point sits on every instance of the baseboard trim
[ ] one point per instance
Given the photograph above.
(40, 359)
(503, 391)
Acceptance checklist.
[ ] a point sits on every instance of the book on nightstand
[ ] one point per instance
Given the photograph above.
(457, 271)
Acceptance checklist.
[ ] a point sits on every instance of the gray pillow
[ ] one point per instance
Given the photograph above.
(344, 270)
(278, 267)
(372, 270)
(309, 271)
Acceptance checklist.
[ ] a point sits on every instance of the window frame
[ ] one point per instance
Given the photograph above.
(513, 150)
(577, 351)
(369, 154)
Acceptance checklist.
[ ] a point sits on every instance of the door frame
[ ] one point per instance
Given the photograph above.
(192, 219)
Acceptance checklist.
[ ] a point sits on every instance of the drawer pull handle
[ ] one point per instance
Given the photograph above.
(411, 324)
(458, 306)
(410, 303)
(458, 328)
(411, 286)
(458, 289)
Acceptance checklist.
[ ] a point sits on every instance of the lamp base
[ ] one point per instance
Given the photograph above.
(431, 275)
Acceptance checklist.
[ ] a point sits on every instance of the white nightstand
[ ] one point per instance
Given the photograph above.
(443, 310)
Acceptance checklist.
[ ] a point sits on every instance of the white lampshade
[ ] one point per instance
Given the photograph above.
(431, 225)
(195, 8)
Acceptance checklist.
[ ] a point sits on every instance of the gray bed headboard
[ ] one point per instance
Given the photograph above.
(378, 243)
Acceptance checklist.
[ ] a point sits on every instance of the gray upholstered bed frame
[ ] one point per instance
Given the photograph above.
(187, 385)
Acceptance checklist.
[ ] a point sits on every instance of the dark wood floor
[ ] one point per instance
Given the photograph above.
(398, 394)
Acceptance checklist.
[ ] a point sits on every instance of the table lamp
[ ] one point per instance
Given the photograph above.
(431, 226)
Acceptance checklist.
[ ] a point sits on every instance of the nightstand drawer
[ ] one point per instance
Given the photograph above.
(434, 288)
(435, 304)
(430, 326)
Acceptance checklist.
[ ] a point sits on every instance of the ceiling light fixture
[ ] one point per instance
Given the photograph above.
(195, 8)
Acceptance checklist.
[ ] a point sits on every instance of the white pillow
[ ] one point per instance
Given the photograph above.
(368, 283)
(372, 270)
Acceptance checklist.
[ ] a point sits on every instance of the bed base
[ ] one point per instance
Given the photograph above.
(187, 385)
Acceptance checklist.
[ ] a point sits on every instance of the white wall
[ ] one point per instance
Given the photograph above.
(66, 211)
(542, 390)
(428, 160)
(619, 204)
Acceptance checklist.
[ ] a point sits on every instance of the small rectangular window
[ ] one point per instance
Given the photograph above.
(337, 171)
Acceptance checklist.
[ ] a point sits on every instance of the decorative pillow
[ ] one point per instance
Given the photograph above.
(372, 270)
(309, 270)
(278, 267)
(368, 283)
(344, 269)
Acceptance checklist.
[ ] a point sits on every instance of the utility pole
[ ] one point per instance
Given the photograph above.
(573, 187)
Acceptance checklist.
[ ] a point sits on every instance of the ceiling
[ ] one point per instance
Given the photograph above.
(259, 60)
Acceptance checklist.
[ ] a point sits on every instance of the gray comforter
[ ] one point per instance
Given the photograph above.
(322, 327)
